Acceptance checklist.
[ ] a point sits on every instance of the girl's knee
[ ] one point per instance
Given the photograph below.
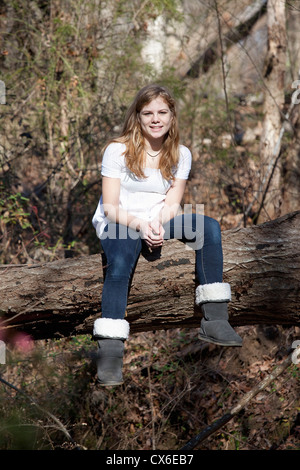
(120, 267)
(212, 229)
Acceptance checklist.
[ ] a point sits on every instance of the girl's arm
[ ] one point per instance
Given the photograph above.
(110, 199)
(112, 210)
(171, 206)
(172, 201)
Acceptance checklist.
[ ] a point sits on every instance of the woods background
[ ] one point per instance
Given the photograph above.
(69, 69)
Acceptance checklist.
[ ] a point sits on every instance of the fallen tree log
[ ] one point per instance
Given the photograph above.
(62, 298)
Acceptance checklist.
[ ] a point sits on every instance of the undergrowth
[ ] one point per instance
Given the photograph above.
(174, 386)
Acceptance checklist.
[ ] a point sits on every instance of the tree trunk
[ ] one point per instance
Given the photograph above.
(200, 51)
(274, 76)
(62, 298)
(291, 178)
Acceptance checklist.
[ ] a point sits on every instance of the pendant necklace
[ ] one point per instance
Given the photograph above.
(153, 156)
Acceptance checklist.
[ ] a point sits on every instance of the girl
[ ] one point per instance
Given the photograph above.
(144, 174)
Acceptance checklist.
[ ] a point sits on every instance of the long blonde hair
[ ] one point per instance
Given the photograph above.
(133, 138)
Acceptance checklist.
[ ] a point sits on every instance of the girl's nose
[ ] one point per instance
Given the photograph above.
(155, 118)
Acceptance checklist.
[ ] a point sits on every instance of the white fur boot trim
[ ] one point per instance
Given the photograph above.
(111, 328)
(214, 292)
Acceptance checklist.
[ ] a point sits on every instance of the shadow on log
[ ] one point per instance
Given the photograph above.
(62, 298)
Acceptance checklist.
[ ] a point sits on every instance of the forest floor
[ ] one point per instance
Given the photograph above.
(174, 384)
(174, 387)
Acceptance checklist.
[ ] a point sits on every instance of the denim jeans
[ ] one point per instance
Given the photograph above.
(122, 247)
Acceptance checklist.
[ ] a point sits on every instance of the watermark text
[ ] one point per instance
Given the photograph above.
(296, 353)
(2, 352)
(2, 92)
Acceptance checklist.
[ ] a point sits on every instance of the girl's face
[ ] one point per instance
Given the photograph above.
(155, 118)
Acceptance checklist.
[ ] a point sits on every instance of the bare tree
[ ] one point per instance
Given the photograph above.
(274, 77)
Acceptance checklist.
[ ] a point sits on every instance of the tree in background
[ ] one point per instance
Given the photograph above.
(273, 110)
(71, 68)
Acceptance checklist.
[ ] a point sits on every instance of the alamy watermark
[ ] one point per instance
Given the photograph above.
(187, 226)
(295, 99)
(295, 95)
(2, 92)
(296, 353)
(2, 352)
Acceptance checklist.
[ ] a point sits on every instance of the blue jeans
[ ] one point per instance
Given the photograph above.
(122, 247)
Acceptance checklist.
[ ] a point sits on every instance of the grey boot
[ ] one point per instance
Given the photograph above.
(111, 335)
(215, 328)
(110, 361)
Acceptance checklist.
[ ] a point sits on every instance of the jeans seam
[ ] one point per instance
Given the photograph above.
(201, 250)
(202, 265)
(202, 254)
(138, 240)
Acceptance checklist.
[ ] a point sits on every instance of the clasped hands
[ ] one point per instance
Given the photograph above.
(153, 233)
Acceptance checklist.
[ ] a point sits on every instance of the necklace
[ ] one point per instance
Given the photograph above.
(153, 156)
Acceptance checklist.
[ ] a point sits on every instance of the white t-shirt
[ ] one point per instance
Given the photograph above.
(141, 197)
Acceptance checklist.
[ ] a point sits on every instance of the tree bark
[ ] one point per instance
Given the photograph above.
(274, 75)
(62, 298)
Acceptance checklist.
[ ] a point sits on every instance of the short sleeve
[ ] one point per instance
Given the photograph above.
(185, 163)
(112, 160)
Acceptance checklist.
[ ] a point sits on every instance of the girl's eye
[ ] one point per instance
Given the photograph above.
(147, 113)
